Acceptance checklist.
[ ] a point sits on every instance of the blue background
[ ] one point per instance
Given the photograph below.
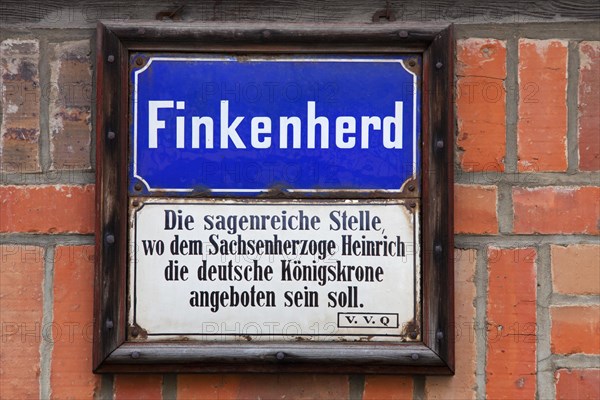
(274, 89)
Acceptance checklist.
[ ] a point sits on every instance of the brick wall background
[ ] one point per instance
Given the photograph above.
(527, 224)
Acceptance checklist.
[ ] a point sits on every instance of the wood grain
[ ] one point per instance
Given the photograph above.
(86, 13)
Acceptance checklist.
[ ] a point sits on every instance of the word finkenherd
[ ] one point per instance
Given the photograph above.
(347, 132)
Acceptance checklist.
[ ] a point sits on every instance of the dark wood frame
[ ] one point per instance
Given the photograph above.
(113, 353)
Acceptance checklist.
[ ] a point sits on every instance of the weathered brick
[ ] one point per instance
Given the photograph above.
(542, 125)
(70, 105)
(475, 209)
(511, 312)
(21, 305)
(20, 131)
(298, 386)
(462, 385)
(47, 209)
(395, 387)
(138, 387)
(576, 269)
(481, 104)
(582, 384)
(557, 209)
(481, 57)
(589, 106)
(575, 329)
(71, 374)
(207, 387)
(286, 386)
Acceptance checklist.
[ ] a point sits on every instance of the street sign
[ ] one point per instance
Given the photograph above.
(274, 200)
(242, 126)
(228, 124)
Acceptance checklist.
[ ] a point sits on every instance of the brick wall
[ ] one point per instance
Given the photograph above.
(527, 224)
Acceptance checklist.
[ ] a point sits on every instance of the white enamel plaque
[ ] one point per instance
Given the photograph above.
(275, 270)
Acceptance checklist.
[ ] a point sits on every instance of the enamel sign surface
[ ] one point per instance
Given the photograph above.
(211, 260)
(248, 124)
(275, 270)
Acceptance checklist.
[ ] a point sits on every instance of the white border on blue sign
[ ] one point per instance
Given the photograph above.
(232, 59)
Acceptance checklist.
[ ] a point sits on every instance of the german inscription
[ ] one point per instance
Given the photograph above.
(275, 270)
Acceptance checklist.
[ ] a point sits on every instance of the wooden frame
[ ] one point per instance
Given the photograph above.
(113, 353)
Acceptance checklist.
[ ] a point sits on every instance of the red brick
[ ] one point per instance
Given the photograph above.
(47, 209)
(557, 210)
(286, 386)
(481, 57)
(589, 106)
(71, 374)
(576, 269)
(70, 105)
(462, 385)
(207, 387)
(542, 125)
(392, 387)
(475, 209)
(575, 329)
(481, 104)
(298, 386)
(583, 384)
(138, 387)
(20, 131)
(21, 305)
(511, 315)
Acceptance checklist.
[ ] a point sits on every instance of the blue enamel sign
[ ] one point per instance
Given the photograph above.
(248, 124)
